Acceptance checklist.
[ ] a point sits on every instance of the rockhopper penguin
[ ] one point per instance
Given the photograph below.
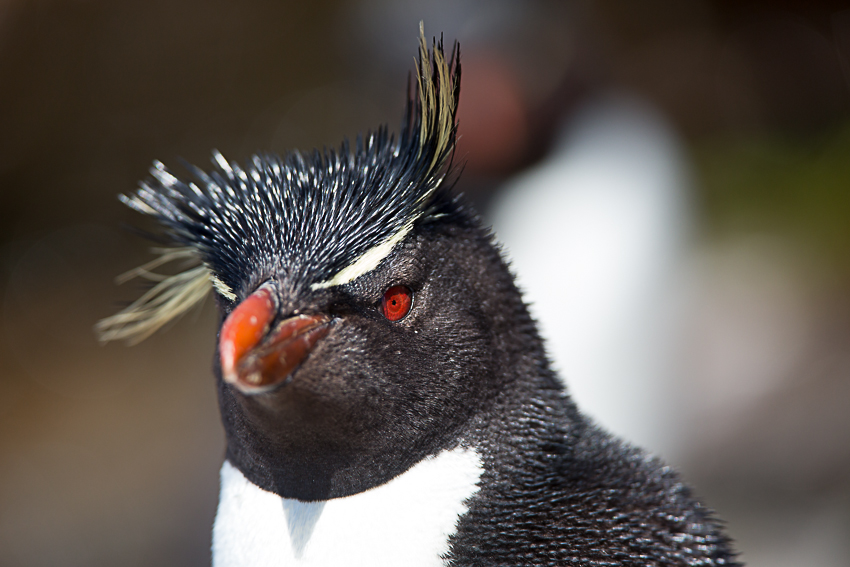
(386, 398)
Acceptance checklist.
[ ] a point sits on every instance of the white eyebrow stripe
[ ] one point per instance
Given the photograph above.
(366, 262)
(370, 259)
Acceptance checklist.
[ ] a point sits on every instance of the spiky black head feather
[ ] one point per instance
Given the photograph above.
(314, 220)
(309, 217)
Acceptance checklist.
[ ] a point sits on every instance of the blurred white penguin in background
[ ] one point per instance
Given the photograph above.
(597, 236)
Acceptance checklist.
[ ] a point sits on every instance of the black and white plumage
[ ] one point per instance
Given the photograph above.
(385, 394)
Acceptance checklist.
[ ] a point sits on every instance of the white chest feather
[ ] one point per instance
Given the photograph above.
(406, 521)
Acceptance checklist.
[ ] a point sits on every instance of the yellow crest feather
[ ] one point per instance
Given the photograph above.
(170, 298)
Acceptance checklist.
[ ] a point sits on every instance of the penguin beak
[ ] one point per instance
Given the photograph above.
(256, 357)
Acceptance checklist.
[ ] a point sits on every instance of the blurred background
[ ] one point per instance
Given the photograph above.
(671, 180)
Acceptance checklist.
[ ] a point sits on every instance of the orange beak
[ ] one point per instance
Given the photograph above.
(256, 358)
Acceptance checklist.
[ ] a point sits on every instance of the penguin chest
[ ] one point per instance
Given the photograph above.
(407, 521)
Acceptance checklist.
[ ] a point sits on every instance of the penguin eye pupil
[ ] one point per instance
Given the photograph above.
(396, 302)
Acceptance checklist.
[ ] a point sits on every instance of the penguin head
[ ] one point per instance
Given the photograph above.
(335, 390)
(361, 303)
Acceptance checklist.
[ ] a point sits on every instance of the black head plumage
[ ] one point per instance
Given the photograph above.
(315, 220)
(310, 216)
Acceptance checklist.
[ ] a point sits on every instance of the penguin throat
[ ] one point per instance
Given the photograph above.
(406, 521)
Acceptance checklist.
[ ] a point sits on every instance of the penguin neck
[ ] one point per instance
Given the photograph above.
(406, 521)
(532, 416)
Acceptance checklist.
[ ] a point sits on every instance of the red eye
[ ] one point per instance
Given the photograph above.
(396, 302)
